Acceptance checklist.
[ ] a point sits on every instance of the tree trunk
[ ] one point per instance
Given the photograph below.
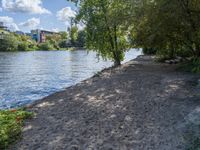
(117, 61)
(198, 53)
(172, 52)
(116, 53)
(196, 49)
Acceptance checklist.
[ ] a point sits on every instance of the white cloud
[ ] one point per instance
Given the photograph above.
(55, 30)
(25, 6)
(65, 14)
(41, 28)
(9, 22)
(31, 23)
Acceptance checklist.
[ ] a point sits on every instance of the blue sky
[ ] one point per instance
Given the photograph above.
(25, 15)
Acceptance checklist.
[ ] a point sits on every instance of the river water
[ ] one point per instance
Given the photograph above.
(29, 76)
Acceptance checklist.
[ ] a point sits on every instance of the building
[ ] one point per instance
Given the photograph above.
(40, 35)
(19, 33)
(3, 31)
(2, 27)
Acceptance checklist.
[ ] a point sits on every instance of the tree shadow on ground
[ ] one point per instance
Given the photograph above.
(133, 107)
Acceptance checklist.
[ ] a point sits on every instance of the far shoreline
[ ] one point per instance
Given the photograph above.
(62, 49)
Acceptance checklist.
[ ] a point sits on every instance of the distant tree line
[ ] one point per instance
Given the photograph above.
(62, 40)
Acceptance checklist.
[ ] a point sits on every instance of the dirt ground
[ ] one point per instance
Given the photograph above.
(141, 105)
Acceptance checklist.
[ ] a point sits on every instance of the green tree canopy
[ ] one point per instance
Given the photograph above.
(170, 26)
(165, 27)
(73, 34)
(105, 30)
(8, 43)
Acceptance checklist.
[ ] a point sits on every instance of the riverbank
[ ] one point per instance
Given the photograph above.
(140, 105)
(11, 122)
(60, 49)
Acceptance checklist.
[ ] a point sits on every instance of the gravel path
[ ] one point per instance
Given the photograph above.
(141, 105)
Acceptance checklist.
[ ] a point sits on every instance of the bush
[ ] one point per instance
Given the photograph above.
(183, 53)
(9, 43)
(62, 43)
(23, 46)
(11, 122)
(149, 51)
(45, 46)
(191, 66)
(196, 65)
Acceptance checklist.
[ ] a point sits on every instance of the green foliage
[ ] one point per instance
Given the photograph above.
(23, 46)
(105, 28)
(162, 27)
(53, 41)
(196, 65)
(172, 27)
(149, 51)
(64, 35)
(81, 38)
(14, 42)
(8, 43)
(46, 46)
(11, 122)
(62, 43)
(73, 35)
(32, 46)
(191, 66)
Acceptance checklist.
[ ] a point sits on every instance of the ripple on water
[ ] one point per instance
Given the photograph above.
(29, 76)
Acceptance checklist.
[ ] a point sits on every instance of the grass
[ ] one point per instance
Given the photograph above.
(191, 66)
(11, 122)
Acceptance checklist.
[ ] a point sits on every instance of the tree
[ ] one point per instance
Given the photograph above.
(23, 46)
(105, 32)
(73, 34)
(46, 46)
(62, 43)
(53, 40)
(64, 35)
(81, 38)
(170, 27)
(8, 43)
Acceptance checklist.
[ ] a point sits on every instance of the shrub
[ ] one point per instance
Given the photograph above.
(45, 46)
(191, 66)
(11, 122)
(196, 65)
(23, 46)
(149, 51)
(62, 43)
(9, 43)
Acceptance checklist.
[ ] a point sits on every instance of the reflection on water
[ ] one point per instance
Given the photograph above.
(28, 76)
